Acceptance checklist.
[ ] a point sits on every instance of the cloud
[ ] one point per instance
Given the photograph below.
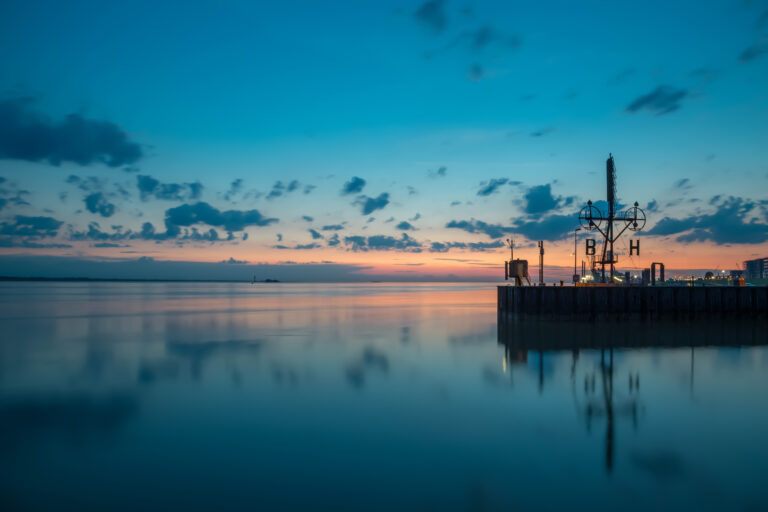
(735, 220)
(332, 227)
(539, 199)
(683, 185)
(472, 246)
(662, 100)
(234, 188)
(543, 132)
(441, 172)
(405, 226)
(552, 227)
(621, 77)
(353, 186)
(95, 233)
(754, 51)
(382, 243)
(298, 246)
(431, 15)
(307, 218)
(98, 203)
(10, 194)
(477, 226)
(203, 213)
(489, 187)
(32, 227)
(233, 261)
(150, 187)
(475, 72)
(315, 234)
(371, 204)
(333, 241)
(279, 189)
(27, 135)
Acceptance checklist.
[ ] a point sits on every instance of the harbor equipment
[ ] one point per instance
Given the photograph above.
(593, 218)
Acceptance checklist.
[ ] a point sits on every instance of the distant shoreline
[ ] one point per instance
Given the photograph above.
(119, 280)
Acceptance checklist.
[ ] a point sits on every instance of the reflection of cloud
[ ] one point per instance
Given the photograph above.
(660, 464)
(74, 416)
(199, 352)
(206, 349)
(150, 372)
(371, 359)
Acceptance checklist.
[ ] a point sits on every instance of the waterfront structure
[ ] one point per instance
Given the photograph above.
(756, 269)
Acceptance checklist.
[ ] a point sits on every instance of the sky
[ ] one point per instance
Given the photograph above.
(375, 140)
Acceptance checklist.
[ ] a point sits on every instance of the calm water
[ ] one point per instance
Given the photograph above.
(364, 397)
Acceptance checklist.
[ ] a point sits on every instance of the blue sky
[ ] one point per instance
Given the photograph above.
(316, 94)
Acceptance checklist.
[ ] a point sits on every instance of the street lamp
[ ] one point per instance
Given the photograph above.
(575, 275)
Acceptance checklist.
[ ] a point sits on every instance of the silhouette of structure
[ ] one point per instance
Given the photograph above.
(593, 219)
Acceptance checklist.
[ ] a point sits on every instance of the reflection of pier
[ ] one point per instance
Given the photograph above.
(522, 334)
(594, 394)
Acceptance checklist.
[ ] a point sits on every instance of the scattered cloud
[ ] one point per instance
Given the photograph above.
(233, 261)
(332, 227)
(25, 134)
(32, 227)
(431, 15)
(539, 199)
(441, 172)
(279, 189)
(371, 204)
(475, 72)
(552, 227)
(382, 243)
(315, 234)
(543, 132)
(622, 76)
(188, 215)
(98, 203)
(735, 220)
(754, 51)
(683, 185)
(489, 187)
(353, 186)
(11, 194)
(472, 246)
(405, 226)
(150, 187)
(477, 226)
(234, 188)
(299, 247)
(662, 100)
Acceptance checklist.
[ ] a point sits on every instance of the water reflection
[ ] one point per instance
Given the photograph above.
(519, 335)
(352, 397)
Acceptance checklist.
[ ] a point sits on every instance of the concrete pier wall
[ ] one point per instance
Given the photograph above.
(635, 301)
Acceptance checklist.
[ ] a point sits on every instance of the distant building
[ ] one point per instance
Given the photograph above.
(756, 269)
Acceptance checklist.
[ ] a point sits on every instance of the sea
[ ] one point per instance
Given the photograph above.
(367, 396)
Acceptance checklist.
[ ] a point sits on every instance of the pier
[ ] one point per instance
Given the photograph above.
(630, 301)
